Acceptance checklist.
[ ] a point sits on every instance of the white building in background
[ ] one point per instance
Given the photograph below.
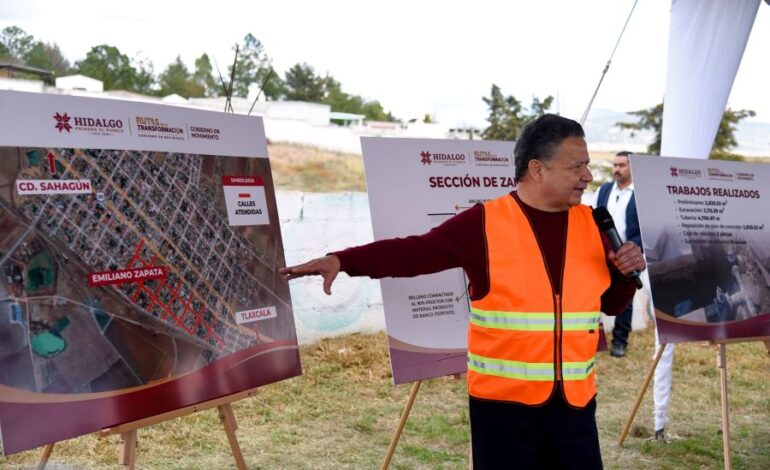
(79, 83)
(10, 73)
(174, 99)
(348, 119)
(15, 84)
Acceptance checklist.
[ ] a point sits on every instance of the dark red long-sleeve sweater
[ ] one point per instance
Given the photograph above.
(460, 242)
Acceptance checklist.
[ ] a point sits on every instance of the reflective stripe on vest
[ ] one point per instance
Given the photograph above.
(534, 321)
(577, 370)
(523, 321)
(576, 321)
(537, 371)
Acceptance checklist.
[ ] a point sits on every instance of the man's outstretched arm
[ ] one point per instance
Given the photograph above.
(458, 242)
(328, 267)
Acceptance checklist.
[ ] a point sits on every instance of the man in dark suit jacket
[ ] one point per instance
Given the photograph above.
(618, 198)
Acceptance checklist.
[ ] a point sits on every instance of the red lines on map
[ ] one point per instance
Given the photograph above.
(190, 308)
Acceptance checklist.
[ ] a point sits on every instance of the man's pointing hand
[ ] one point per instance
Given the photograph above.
(328, 267)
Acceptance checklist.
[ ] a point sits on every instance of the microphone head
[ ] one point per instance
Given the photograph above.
(603, 219)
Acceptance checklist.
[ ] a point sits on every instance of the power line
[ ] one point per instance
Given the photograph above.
(607, 66)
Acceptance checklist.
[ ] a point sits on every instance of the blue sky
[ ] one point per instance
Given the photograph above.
(416, 57)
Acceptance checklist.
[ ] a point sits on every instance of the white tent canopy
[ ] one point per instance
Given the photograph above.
(706, 43)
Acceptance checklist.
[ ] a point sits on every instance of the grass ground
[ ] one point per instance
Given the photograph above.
(309, 169)
(342, 412)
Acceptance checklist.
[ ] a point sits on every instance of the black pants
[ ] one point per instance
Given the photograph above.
(623, 325)
(552, 436)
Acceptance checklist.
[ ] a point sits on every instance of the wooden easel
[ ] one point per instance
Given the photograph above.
(722, 365)
(640, 395)
(402, 423)
(128, 431)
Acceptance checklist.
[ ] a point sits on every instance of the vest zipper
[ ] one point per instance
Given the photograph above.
(557, 295)
(558, 337)
(559, 327)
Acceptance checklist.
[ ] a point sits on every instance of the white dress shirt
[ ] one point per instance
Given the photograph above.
(617, 204)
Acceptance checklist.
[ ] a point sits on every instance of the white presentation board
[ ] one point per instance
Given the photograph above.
(415, 185)
(706, 236)
(139, 253)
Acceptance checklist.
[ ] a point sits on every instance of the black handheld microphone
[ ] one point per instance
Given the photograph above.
(605, 223)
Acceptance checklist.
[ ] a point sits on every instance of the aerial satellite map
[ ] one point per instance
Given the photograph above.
(136, 273)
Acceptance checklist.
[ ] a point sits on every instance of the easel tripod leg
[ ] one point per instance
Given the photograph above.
(227, 417)
(401, 423)
(641, 393)
(45, 454)
(722, 363)
(127, 452)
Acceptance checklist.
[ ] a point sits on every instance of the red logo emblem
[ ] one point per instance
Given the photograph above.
(674, 172)
(62, 122)
(425, 157)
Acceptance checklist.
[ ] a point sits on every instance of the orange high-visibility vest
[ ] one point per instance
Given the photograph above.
(523, 335)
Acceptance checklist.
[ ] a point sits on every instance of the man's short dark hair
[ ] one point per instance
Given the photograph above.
(623, 153)
(539, 139)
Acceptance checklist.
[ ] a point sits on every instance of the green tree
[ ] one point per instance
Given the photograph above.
(204, 76)
(18, 47)
(302, 84)
(176, 79)
(374, 111)
(724, 141)
(254, 66)
(647, 119)
(338, 99)
(15, 44)
(507, 115)
(502, 113)
(144, 80)
(355, 104)
(49, 57)
(116, 70)
(540, 108)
